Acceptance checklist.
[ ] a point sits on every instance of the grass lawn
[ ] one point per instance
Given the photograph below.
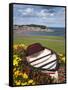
(54, 42)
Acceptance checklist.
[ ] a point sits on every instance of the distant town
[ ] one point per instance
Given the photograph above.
(31, 27)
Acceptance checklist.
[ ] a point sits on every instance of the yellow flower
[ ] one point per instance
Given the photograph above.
(20, 74)
(17, 57)
(25, 83)
(25, 76)
(15, 62)
(19, 45)
(63, 59)
(33, 83)
(18, 82)
(14, 69)
(60, 55)
(30, 81)
(15, 46)
(17, 73)
(23, 46)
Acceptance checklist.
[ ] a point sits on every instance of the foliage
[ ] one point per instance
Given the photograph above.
(23, 74)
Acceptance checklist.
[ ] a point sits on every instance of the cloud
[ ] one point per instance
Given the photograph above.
(24, 12)
(20, 10)
(42, 13)
(29, 10)
(52, 14)
(34, 14)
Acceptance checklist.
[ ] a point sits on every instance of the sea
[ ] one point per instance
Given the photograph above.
(54, 32)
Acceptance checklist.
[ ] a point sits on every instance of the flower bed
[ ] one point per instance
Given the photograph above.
(24, 75)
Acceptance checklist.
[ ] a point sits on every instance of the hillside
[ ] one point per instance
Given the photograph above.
(31, 27)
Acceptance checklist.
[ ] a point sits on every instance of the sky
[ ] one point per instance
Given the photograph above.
(49, 16)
